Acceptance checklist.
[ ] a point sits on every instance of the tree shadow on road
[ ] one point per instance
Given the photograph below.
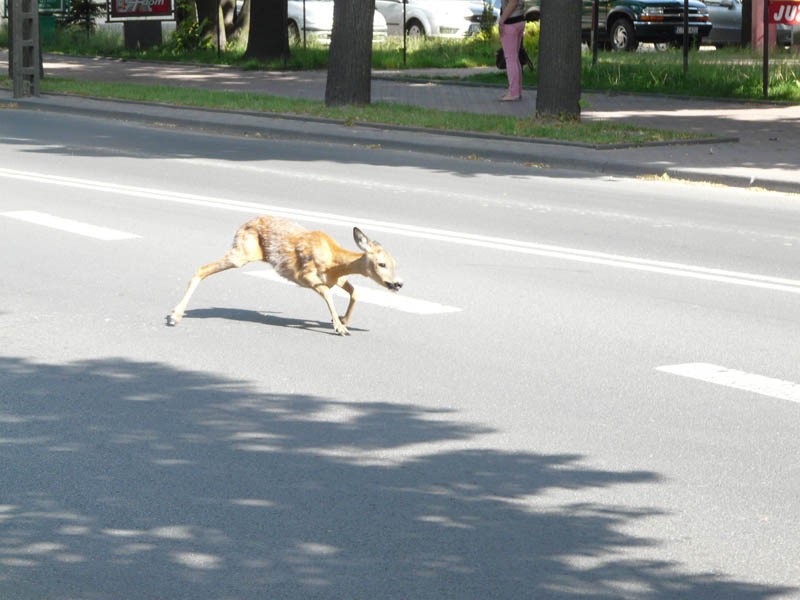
(125, 479)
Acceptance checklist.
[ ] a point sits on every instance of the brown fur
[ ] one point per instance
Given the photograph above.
(310, 259)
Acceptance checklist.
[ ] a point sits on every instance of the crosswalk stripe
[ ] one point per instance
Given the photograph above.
(740, 380)
(77, 227)
(379, 297)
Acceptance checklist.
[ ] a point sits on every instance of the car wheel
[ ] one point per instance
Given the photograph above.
(294, 33)
(623, 36)
(415, 28)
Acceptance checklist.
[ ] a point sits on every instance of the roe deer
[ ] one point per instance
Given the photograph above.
(310, 259)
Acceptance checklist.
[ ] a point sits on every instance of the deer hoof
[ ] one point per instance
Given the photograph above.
(341, 330)
(171, 321)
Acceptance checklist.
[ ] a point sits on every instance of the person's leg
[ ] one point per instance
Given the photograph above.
(510, 40)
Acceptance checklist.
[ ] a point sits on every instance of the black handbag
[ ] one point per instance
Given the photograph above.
(500, 59)
(524, 59)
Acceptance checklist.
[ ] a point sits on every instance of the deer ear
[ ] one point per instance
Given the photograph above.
(362, 241)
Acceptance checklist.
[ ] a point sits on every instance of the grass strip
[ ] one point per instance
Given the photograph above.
(597, 133)
(728, 74)
(725, 73)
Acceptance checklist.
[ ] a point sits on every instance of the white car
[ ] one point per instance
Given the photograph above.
(437, 18)
(318, 22)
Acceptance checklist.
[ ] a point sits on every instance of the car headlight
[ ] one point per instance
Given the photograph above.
(653, 13)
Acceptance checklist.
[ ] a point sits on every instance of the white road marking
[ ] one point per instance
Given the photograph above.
(740, 380)
(791, 286)
(77, 227)
(379, 297)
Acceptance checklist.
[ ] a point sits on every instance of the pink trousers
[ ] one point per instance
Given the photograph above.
(510, 39)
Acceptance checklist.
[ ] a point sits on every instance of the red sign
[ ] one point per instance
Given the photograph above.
(785, 12)
(138, 9)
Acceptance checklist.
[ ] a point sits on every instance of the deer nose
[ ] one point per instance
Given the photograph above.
(395, 286)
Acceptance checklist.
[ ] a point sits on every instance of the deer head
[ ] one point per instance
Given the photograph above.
(380, 265)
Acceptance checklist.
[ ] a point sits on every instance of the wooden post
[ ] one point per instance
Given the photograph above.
(686, 38)
(595, 29)
(765, 66)
(26, 50)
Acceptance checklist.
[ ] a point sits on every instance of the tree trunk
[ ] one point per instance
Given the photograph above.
(207, 11)
(241, 25)
(558, 94)
(350, 58)
(268, 38)
(228, 8)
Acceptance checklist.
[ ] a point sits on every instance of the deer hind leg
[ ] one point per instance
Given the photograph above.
(245, 250)
(348, 287)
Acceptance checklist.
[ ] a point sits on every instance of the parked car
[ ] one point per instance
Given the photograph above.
(318, 21)
(622, 24)
(437, 18)
(727, 18)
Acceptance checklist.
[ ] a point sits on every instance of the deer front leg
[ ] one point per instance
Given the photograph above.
(348, 287)
(324, 291)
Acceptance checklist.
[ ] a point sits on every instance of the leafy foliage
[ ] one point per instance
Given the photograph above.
(488, 20)
(189, 35)
(82, 15)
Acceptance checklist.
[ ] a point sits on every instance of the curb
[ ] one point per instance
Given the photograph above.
(38, 104)
(550, 154)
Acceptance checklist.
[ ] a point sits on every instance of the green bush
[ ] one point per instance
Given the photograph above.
(189, 34)
(487, 19)
(82, 15)
(531, 38)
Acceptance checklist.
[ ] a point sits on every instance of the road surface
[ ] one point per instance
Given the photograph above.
(587, 387)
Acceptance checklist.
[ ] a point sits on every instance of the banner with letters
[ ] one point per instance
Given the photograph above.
(123, 10)
(784, 12)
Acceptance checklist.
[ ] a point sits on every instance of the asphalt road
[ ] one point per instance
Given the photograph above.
(585, 388)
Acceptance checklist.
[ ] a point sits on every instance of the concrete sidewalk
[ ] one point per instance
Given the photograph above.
(757, 144)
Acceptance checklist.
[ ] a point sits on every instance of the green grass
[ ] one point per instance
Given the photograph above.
(420, 53)
(728, 73)
(719, 74)
(393, 114)
(735, 74)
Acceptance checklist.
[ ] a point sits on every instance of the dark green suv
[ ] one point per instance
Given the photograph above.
(623, 24)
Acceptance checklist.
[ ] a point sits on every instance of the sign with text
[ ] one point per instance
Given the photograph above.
(121, 10)
(47, 7)
(784, 12)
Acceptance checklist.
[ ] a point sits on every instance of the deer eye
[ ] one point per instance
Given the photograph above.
(382, 265)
